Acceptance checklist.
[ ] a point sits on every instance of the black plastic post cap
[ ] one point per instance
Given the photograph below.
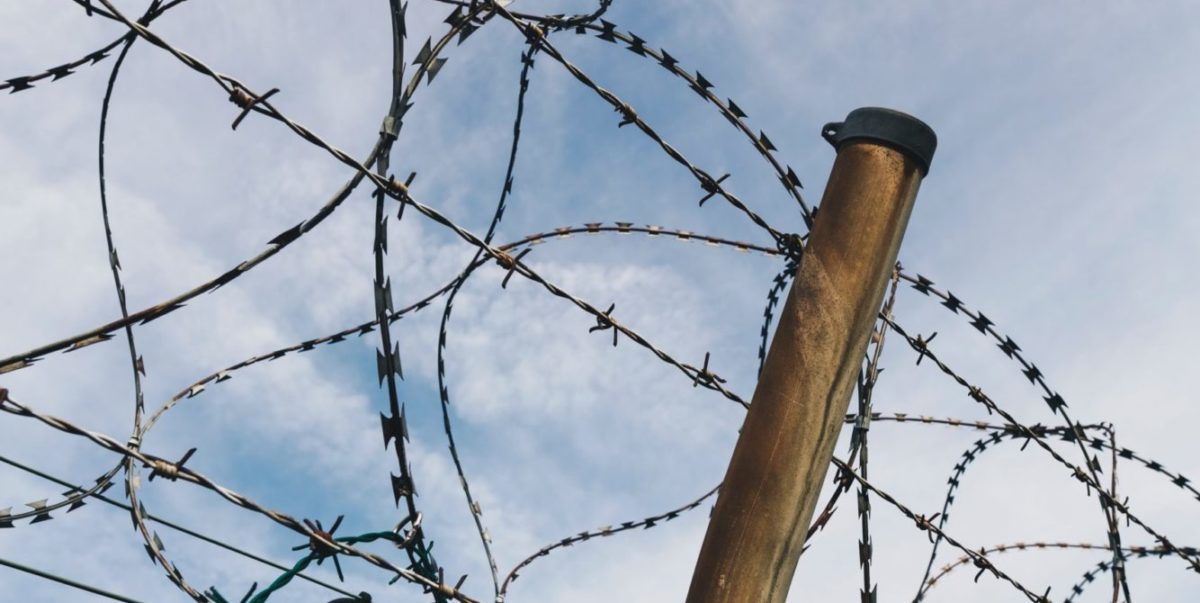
(895, 129)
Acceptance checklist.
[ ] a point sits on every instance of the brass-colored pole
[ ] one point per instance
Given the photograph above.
(758, 526)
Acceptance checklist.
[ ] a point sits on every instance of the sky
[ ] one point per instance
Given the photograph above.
(1060, 203)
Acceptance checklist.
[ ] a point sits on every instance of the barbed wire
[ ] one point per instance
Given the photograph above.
(858, 438)
(1057, 406)
(27, 82)
(1037, 546)
(1138, 552)
(172, 525)
(409, 535)
(389, 368)
(602, 532)
(978, 558)
(508, 262)
(175, 470)
(921, 346)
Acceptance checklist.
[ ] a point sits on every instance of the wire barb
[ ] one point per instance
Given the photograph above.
(247, 101)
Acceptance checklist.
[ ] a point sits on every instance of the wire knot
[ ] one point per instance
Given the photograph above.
(922, 346)
(509, 263)
(400, 191)
(1082, 477)
(925, 524)
(791, 245)
(247, 101)
(628, 115)
(320, 543)
(704, 375)
(982, 563)
(711, 187)
(534, 34)
(241, 97)
(604, 322)
(168, 471)
(977, 395)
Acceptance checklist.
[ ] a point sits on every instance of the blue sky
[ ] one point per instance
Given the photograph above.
(1060, 203)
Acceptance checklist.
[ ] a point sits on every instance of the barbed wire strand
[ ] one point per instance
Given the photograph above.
(136, 361)
(473, 505)
(278, 243)
(1002, 433)
(1107, 566)
(172, 525)
(729, 109)
(866, 387)
(1014, 432)
(1052, 398)
(774, 294)
(922, 348)
(601, 532)
(41, 511)
(22, 83)
(967, 459)
(979, 559)
(709, 185)
(199, 386)
(393, 189)
(566, 232)
(1038, 546)
(389, 365)
(172, 470)
(418, 553)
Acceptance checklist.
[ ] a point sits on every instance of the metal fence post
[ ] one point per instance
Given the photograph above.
(757, 529)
